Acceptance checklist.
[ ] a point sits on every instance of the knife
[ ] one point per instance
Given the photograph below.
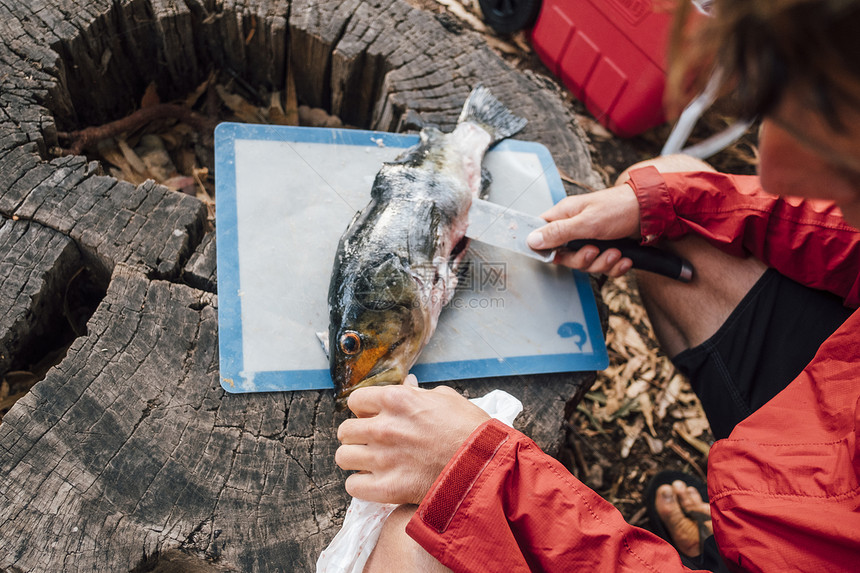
(503, 227)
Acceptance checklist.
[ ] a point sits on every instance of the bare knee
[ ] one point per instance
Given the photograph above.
(396, 551)
(667, 164)
(685, 315)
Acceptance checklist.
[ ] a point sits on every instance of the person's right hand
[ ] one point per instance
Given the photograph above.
(612, 213)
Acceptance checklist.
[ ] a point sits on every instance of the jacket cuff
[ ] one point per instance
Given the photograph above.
(655, 206)
(456, 480)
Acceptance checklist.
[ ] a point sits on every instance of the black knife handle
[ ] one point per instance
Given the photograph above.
(644, 258)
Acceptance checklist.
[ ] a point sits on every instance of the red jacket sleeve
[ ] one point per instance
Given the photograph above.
(503, 505)
(805, 240)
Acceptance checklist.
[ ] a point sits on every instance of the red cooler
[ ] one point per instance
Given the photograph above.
(611, 54)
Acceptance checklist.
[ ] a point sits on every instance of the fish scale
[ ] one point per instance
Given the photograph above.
(396, 264)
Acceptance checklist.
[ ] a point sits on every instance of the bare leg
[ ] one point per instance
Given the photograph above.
(686, 315)
(396, 551)
(668, 164)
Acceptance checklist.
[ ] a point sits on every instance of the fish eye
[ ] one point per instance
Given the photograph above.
(350, 342)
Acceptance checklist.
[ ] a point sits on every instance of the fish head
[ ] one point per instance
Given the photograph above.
(377, 326)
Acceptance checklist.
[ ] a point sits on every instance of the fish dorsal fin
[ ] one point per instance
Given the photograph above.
(486, 181)
(418, 153)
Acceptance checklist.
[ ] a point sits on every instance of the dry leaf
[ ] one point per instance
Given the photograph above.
(245, 111)
(109, 151)
(626, 408)
(638, 387)
(630, 434)
(647, 409)
(317, 117)
(521, 40)
(649, 370)
(131, 157)
(201, 175)
(150, 96)
(697, 426)
(681, 430)
(153, 153)
(633, 365)
(595, 476)
(183, 183)
(186, 160)
(276, 113)
(670, 395)
(687, 458)
(655, 445)
(253, 31)
(194, 96)
(130, 176)
(631, 338)
(457, 9)
(291, 102)
(14, 386)
(613, 404)
(501, 45)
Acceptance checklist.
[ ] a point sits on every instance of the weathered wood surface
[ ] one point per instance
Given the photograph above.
(35, 262)
(129, 447)
(200, 271)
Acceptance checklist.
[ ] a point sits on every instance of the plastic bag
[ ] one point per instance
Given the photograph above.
(351, 547)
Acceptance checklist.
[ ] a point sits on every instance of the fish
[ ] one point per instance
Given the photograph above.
(397, 263)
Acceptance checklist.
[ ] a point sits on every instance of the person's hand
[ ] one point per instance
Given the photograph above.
(608, 214)
(402, 439)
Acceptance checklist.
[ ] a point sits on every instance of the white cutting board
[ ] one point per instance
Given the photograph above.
(285, 195)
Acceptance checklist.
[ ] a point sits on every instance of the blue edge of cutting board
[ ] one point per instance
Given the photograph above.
(229, 307)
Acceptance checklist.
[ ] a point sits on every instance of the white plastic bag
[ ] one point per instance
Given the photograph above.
(349, 550)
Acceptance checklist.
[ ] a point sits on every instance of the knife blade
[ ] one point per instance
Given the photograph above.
(503, 227)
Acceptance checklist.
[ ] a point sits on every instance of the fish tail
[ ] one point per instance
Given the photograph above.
(484, 109)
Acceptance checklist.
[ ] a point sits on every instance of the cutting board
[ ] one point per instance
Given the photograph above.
(285, 195)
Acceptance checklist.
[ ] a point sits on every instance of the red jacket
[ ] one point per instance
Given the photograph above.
(784, 487)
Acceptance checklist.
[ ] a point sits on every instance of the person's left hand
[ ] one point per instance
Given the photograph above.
(402, 439)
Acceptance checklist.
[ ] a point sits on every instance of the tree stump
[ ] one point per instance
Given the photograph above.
(129, 449)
